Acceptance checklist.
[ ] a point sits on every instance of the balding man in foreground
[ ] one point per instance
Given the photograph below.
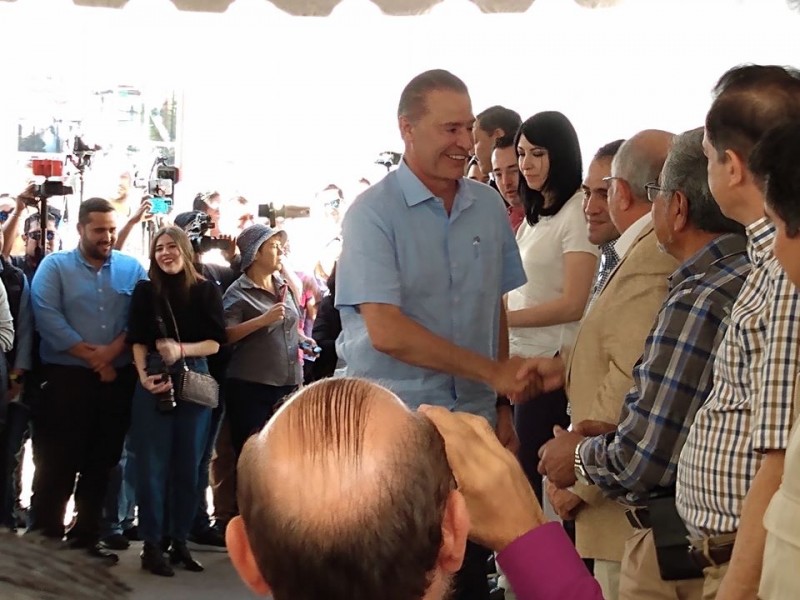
(346, 495)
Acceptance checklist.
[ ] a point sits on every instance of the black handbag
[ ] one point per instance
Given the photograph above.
(197, 388)
(671, 539)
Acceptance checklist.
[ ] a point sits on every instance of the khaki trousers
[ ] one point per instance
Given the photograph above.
(607, 574)
(640, 577)
(713, 579)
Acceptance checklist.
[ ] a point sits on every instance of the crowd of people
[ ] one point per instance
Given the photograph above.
(491, 330)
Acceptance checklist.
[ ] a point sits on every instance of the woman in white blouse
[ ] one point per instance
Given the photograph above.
(560, 262)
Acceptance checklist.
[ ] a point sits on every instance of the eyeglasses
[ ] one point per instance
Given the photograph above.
(37, 235)
(653, 190)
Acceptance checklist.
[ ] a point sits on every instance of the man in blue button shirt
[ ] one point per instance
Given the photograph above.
(81, 300)
(427, 257)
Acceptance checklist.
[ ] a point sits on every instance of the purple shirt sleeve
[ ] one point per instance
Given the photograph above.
(543, 565)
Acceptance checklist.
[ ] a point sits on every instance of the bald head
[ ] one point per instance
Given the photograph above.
(640, 160)
(343, 491)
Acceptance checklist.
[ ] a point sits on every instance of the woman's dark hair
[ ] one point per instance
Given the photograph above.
(553, 131)
(189, 273)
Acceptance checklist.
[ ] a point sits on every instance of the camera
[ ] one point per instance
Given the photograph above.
(53, 185)
(389, 159)
(161, 187)
(268, 211)
(304, 345)
(197, 229)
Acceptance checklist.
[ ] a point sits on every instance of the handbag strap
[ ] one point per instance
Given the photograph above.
(177, 333)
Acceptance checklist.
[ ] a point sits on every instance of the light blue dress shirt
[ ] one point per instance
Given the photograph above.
(447, 273)
(73, 302)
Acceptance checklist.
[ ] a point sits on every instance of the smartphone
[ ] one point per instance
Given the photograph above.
(160, 206)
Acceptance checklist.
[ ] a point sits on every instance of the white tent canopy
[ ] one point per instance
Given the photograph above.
(325, 7)
(283, 106)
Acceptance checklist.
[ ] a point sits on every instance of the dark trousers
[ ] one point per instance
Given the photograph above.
(169, 448)
(223, 474)
(534, 422)
(78, 431)
(471, 582)
(250, 405)
(12, 440)
(119, 508)
(202, 522)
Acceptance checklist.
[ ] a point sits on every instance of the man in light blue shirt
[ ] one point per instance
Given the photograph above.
(81, 300)
(427, 257)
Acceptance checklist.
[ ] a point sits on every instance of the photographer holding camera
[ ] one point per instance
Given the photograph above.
(175, 323)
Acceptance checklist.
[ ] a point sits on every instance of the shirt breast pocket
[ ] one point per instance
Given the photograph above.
(483, 267)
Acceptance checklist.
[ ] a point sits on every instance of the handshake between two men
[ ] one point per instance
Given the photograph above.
(521, 379)
(535, 376)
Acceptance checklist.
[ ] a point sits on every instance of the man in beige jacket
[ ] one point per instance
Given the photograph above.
(611, 338)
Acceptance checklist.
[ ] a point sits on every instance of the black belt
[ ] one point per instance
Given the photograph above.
(639, 518)
(714, 557)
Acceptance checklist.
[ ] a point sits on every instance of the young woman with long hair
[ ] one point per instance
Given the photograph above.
(176, 319)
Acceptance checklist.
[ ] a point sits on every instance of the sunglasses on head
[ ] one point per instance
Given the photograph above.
(37, 235)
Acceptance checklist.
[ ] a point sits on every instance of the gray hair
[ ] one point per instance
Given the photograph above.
(685, 170)
(639, 164)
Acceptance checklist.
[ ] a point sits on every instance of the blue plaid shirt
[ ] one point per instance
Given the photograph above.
(674, 376)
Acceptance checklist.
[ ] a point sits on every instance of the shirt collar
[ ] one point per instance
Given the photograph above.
(416, 192)
(628, 237)
(760, 236)
(247, 283)
(82, 258)
(717, 249)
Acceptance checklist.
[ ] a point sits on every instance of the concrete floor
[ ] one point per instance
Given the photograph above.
(218, 581)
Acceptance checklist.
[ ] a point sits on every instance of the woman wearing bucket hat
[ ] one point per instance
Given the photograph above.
(261, 315)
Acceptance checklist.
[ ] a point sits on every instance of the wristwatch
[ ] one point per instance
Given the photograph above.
(580, 471)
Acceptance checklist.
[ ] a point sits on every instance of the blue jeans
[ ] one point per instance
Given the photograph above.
(250, 405)
(169, 448)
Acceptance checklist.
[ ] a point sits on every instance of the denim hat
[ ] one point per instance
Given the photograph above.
(251, 239)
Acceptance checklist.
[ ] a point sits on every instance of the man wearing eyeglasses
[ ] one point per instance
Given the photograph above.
(637, 458)
(611, 339)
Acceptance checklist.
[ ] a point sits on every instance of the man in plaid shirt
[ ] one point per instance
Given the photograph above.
(732, 462)
(674, 376)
